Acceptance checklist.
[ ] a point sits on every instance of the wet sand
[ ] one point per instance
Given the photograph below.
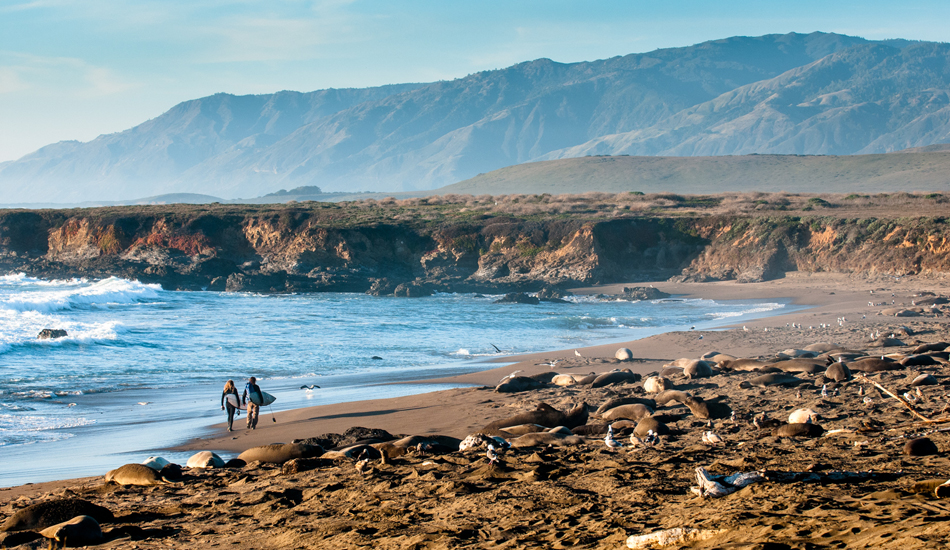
(588, 495)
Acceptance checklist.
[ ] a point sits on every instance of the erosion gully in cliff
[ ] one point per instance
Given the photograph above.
(414, 247)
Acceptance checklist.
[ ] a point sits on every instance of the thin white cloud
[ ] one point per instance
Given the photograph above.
(58, 76)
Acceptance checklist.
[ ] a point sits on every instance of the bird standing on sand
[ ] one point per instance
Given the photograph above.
(492, 455)
(610, 441)
(710, 438)
(824, 390)
(577, 353)
(551, 364)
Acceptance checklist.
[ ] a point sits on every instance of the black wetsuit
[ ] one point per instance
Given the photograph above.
(228, 406)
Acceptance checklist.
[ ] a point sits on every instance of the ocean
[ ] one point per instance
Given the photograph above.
(142, 368)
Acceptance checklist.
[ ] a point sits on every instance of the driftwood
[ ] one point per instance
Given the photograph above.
(913, 410)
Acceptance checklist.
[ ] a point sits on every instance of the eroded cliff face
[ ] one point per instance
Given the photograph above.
(300, 250)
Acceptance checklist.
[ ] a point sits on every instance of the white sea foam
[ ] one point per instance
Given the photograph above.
(16, 429)
(62, 295)
(761, 308)
(22, 327)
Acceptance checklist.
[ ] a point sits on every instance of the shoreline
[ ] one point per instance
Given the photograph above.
(405, 415)
(589, 495)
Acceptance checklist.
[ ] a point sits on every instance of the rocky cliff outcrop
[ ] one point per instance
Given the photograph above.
(301, 248)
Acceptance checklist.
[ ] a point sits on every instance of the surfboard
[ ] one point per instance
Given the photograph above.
(262, 399)
(233, 400)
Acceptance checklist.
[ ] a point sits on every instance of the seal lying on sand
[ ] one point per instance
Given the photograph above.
(278, 453)
(136, 474)
(546, 438)
(772, 380)
(79, 531)
(45, 514)
(615, 377)
(545, 415)
(205, 459)
(634, 411)
(617, 401)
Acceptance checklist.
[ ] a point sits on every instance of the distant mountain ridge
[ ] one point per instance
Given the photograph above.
(801, 94)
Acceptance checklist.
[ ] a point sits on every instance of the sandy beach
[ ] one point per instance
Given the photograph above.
(848, 486)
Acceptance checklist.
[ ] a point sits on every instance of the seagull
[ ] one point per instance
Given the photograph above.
(71, 405)
(577, 353)
(551, 364)
(610, 441)
(860, 390)
(868, 400)
(496, 347)
(491, 454)
(652, 438)
(711, 438)
(732, 417)
(310, 387)
(824, 390)
(143, 403)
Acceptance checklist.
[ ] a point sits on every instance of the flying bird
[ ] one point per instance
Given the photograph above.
(577, 353)
(496, 347)
(310, 387)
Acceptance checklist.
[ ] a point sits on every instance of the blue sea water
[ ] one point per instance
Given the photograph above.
(142, 368)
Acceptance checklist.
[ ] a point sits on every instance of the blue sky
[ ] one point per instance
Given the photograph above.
(74, 69)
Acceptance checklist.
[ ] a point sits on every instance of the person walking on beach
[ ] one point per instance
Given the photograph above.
(231, 401)
(253, 409)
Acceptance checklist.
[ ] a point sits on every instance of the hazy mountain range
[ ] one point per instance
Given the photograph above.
(814, 94)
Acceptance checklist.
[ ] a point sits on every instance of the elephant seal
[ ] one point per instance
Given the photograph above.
(795, 354)
(519, 384)
(799, 430)
(664, 397)
(566, 379)
(803, 416)
(706, 410)
(156, 462)
(79, 531)
(822, 347)
(45, 514)
(924, 348)
(796, 365)
(925, 380)
(615, 377)
(922, 446)
(136, 474)
(205, 459)
(617, 401)
(278, 453)
(634, 411)
(545, 415)
(698, 369)
(743, 364)
(591, 429)
(649, 423)
(670, 372)
(874, 364)
(773, 379)
(546, 438)
(716, 357)
(522, 429)
(623, 354)
(839, 372)
(919, 361)
(656, 384)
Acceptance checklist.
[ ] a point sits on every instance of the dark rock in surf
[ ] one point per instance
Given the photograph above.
(517, 298)
(51, 333)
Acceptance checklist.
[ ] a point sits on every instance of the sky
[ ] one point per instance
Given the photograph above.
(76, 69)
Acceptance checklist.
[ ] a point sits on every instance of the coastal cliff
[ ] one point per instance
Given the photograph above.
(416, 247)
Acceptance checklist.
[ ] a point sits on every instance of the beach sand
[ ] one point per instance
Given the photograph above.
(587, 495)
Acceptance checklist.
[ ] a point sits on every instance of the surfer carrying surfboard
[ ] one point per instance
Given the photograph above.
(230, 399)
(253, 397)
